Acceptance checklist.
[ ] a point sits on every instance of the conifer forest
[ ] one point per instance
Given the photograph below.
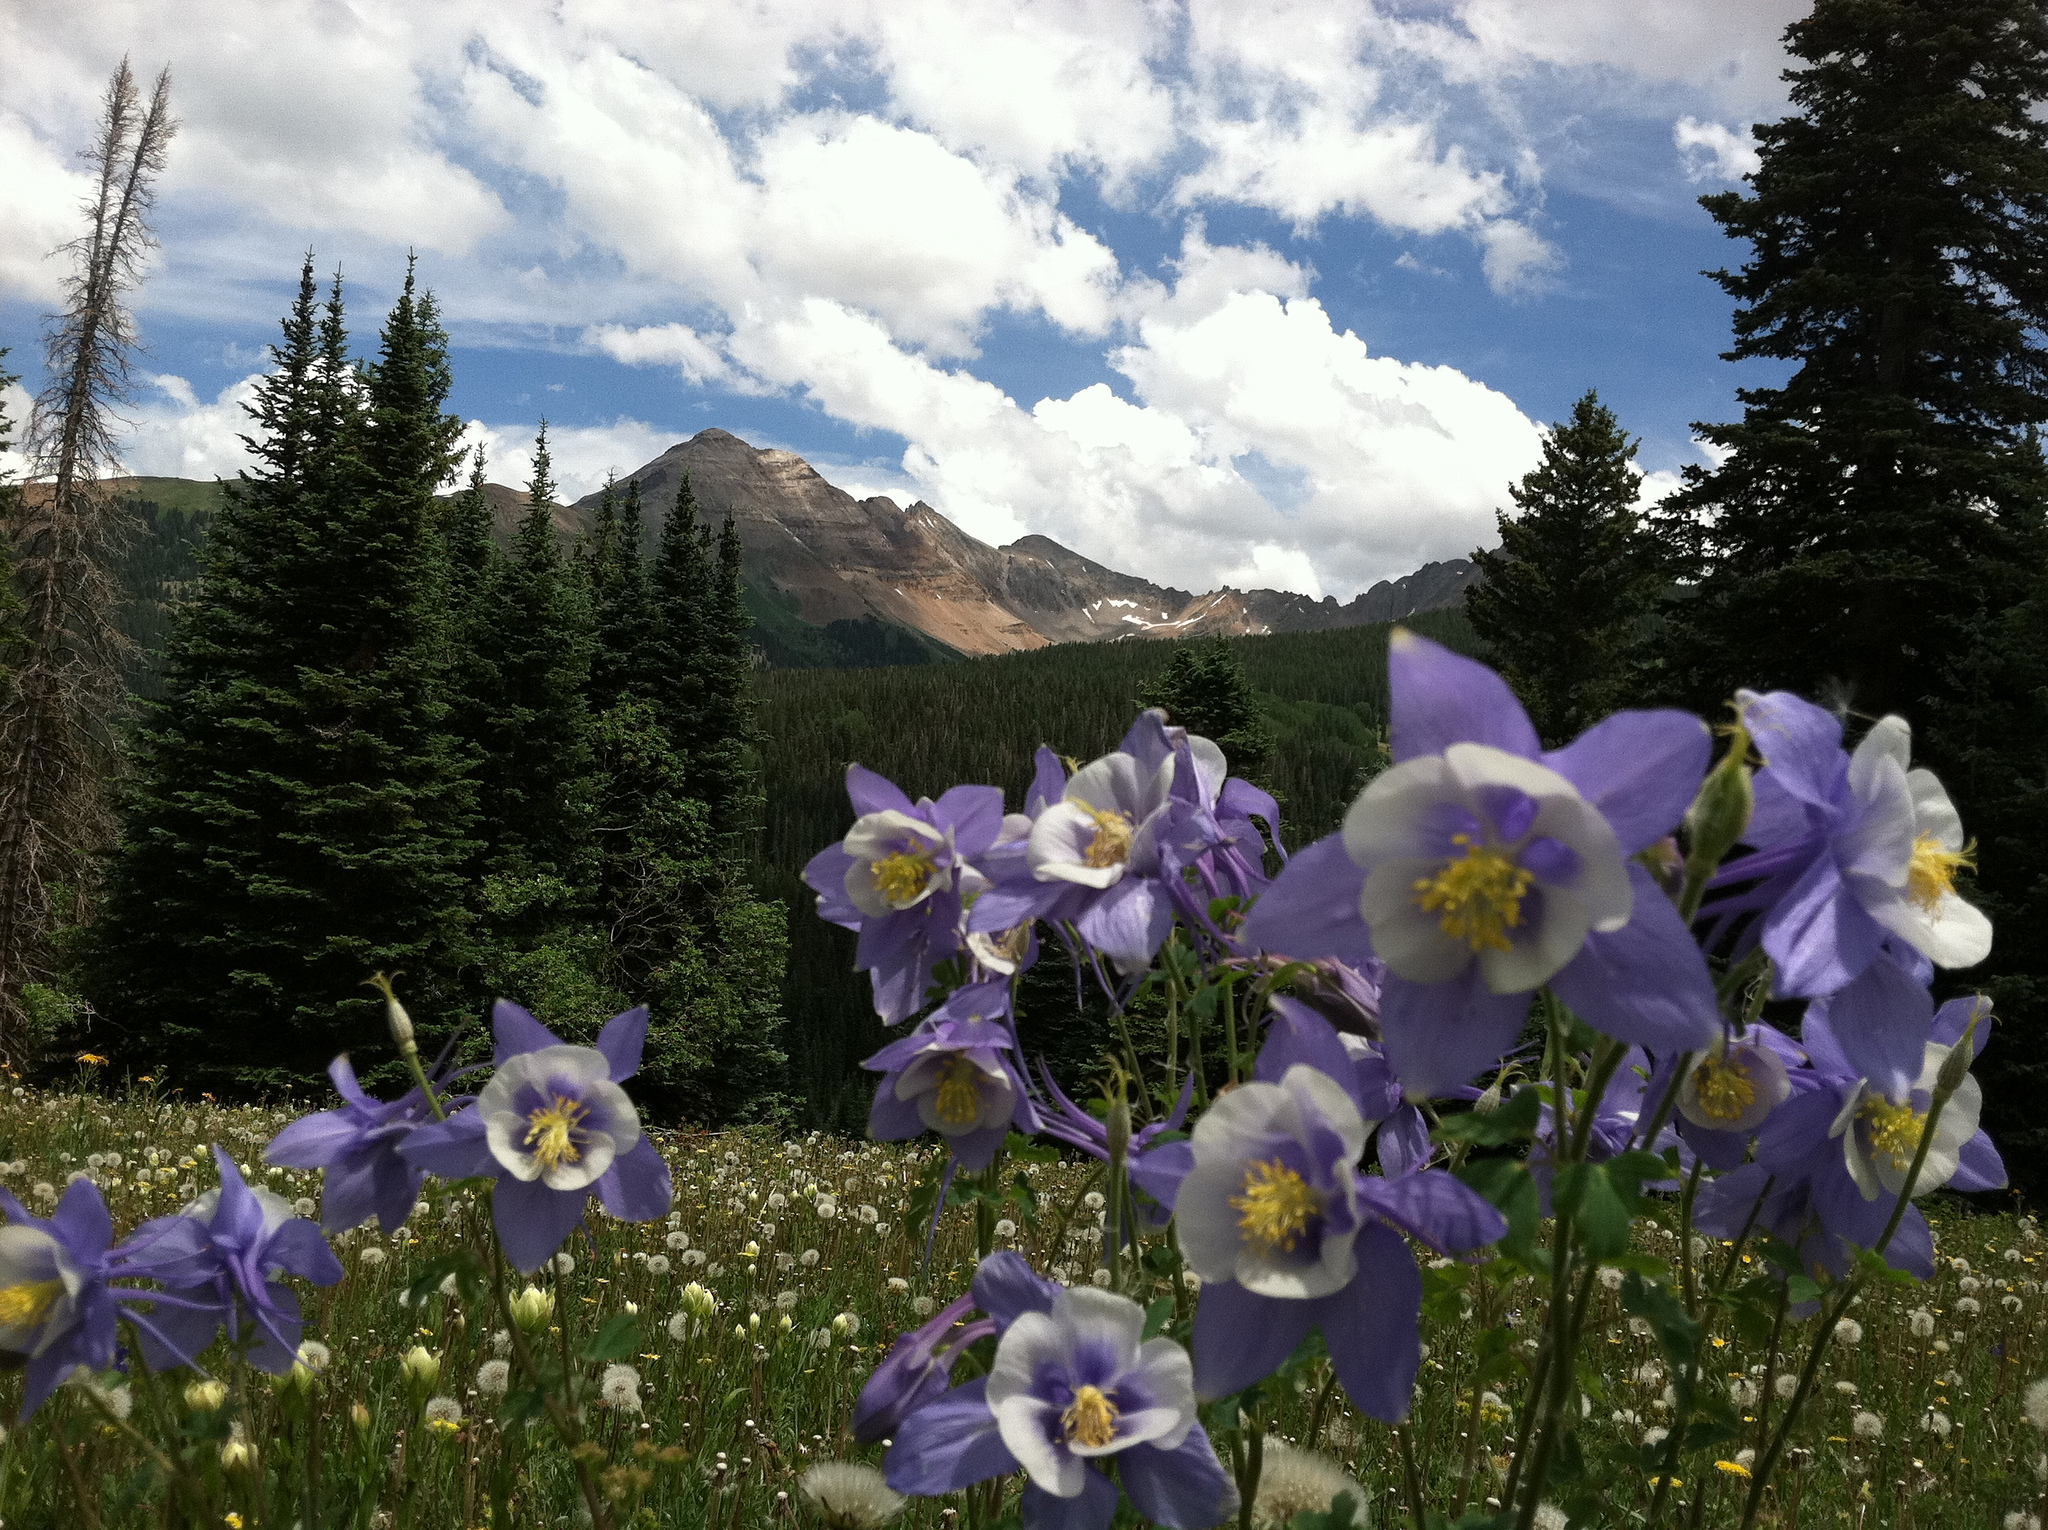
(507, 1023)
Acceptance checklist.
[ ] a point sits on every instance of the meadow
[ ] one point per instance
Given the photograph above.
(726, 1345)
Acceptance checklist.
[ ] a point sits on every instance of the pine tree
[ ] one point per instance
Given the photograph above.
(677, 640)
(727, 770)
(535, 778)
(621, 600)
(1204, 688)
(299, 814)
(1873, 535)
(1574, 576)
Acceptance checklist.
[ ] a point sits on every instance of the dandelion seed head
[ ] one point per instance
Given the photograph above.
(849, 1496)
(1293, 1481)
(1866, 1425)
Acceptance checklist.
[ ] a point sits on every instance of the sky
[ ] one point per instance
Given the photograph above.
(1274, 296)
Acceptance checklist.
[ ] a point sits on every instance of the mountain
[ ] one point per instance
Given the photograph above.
(859, 570)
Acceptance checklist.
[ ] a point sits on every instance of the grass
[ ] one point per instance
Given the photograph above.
(730, 1415)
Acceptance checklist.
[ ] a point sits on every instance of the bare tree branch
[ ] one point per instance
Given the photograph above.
(56, 746)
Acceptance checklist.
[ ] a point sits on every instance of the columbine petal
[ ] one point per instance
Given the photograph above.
(1641, 770)
(1311, 909)
(532, 1221)
(621, 1042)
(1184, 1487)
(1438, 1035)
(1240, 1339)
(1440, 698)
(1645, 983)
(1376, 1346)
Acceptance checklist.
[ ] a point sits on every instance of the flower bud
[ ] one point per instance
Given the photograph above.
(532, 1308)
(359, 1416)
(206, 1396)
(237, 1455)
(698, 1302)
(421, 1365)
(1118, 1126)
(1720, 812)
(1956, 1066)
(395, 1016)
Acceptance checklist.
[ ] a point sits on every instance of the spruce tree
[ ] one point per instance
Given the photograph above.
(1573, 577)
(682, 584)
(621, 600)
(298, 813)
(727, 769)
(1204, 688)
(1873, 535)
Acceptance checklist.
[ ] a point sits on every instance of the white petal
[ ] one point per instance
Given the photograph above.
(1306, 1086)
(1170, 1372)
(1407, 937)
(1878, 843)
(1115, 783)
(1601, 886)
(1058, 850)
(1890, 737)
(505, 1135)
(30, 1256)
(594, 1155)
(1933, 812)
(1530, 963)
(1389, 820)
(1026, 1425)
(1952, 934)
(889, 832)
(1211, 768)
(1100, 1319)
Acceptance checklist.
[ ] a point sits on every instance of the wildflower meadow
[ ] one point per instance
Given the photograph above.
(1571, 1140)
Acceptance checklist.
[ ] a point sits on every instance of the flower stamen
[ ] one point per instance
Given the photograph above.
(1894, 1130)
(958, 1099)
(1090, 1419)
(1723, 1088)
(901, 876)
(1276, 1207)
(550, 1131)
(1931, 874)
(1479, 895)
(1111, 845)
(27, 1304)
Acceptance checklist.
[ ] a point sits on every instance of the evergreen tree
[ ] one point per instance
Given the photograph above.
(1874, 533)
(682, 584)
(12, 639)
(621, 600)
(727, 767)
(1574, 576)
(1204, 688)
(535, 777)
(298, 814)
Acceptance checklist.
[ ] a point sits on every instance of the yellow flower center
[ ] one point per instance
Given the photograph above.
(550, 1131)
(958, 1100)
(901, 877)
(1277, 1205)
(1090, 1419)
(1723, 1088)
(1931, 875)
(1479, 896)
(1111, 845)
(27, 1304)
(1894, 1130)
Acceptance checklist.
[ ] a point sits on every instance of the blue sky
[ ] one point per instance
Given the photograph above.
(1269, 297)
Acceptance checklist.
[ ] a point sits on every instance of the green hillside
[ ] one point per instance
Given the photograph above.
(979, 720)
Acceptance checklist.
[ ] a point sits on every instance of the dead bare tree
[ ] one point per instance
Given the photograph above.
(56, 722)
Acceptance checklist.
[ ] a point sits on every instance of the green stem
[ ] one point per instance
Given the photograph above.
(1412, 1476)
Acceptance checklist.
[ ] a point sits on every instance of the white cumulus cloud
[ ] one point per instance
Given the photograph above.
(1713, 151)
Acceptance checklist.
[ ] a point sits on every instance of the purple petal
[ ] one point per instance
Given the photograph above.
(454, 1149)
(1090, 1509)
(621, 1041)
(1818, 936)
(1009, 904)
(1128, 922)
(1240, 799)
(1440, 698)
(1006, 1287)
(298, 1249)
(239, 1215)
(975, 814)
(825, 875)
(179, 1335)
(1241, 1339)
(1640, 769)
(948, 1445)
(1981, 1168)
(1186, 1488)
(1953, 1018)
(81, 1219)
(533, 1221)
(1297, 1034)
(1645, 983)
(343, 1073)
(1403, 1143)
(1311, 909)
(1372, 1326)
(872, 793)
(314, 1142)
(517, 1031)
(1430, 1205)
(891, 1119)
(1801, 745)
(1158, 1171)
(1438, 1035)
(1881, 1023)
(637, 1187)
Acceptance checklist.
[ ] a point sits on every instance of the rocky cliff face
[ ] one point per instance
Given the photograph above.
(841, 558)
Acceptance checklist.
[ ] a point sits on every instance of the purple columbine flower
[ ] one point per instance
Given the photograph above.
(1070, 1388)
(1298, 1032)
(955, 1074)
(247, 1237)
(1480, 868)
(921, 1361)
(1852, 874)
(553, 1128)
(1288, 1237)
(895, 878)
(57, 1308)
(357, 1145)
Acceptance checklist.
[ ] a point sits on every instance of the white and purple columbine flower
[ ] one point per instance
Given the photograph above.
(1480, 868)
(1288, 1237)
(58, 1310)
(955, 1074)
(357, 1146)
(896, 879)
(554, 1128)
(221, 1261)
(1070, 1388)
(1851, 874)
